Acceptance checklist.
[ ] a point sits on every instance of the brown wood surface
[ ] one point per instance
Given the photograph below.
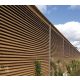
(24, 38)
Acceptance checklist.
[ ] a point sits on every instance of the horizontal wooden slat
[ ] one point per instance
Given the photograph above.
(24, 38)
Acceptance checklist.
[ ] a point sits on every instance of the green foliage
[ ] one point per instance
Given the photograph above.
(59, 73)
(73, 65)
(68, 69)
(37, 68)
(54, 67)
(73, 68)
(55, 73)
(57, 69)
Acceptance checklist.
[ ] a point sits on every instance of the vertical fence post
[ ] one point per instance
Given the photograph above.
(69, 51)
(49, 49)
(63, 48)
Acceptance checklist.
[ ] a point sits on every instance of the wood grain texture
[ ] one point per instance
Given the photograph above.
(24, 38)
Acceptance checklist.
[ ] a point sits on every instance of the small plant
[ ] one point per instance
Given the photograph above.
(37, 68)
(68, 69)
(73, 68)
(73, 65)
(59, 73)
(54, 67)
(57, 70)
